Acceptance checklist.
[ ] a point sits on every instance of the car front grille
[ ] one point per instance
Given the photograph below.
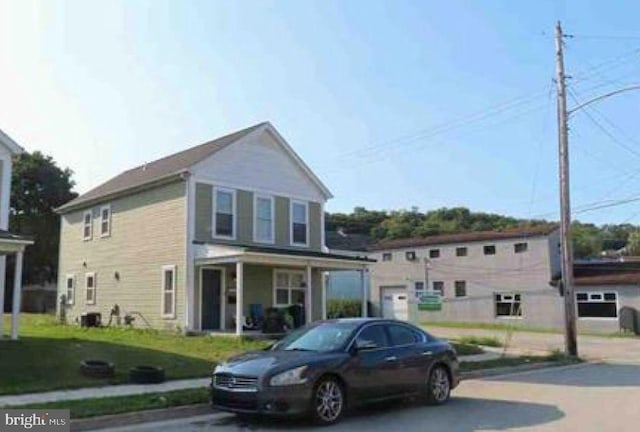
(235, 383)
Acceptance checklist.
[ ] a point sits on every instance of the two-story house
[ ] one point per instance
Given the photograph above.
(10, 244)
(199, 239)
(488, 276)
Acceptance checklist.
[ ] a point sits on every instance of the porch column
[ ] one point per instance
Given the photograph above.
(308, 305)
(324, 295)
(365, 294)
(17, 296)
(2, 287)
(239, 295)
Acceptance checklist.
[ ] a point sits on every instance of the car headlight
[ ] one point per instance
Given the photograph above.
(290, 377)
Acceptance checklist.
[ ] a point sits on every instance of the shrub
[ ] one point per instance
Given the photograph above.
(344, 308)
(489, 341)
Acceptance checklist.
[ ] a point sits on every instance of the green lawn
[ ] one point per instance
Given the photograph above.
(48, 354)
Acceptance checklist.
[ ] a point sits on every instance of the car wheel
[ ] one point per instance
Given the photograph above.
(438, 386)
(328, 401)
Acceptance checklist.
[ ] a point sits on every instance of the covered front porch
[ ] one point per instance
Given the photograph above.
(12, 244)
(255, 284)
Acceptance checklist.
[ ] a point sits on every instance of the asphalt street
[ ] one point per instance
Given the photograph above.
(587, 397)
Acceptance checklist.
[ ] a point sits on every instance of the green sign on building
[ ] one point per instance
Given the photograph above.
(430, 302)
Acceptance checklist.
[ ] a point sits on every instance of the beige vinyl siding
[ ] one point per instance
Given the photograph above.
(147, 232)
(244, 219)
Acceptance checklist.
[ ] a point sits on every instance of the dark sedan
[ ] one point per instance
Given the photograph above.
(323, 368)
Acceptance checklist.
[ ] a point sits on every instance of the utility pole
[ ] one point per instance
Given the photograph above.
(571, 342)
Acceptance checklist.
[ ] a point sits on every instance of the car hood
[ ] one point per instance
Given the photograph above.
(259, 363)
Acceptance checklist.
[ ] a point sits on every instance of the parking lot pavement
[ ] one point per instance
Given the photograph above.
(587, 397)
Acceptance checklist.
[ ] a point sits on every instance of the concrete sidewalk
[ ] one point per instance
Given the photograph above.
(99, 392)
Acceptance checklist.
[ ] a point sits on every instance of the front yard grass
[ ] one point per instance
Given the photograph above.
(48, 354)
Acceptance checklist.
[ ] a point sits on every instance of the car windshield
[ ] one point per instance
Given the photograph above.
(323, 337)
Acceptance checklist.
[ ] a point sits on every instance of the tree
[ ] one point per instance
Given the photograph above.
(38, 186)
(633, 245)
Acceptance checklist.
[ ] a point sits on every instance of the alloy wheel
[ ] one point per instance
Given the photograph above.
(329, 401)
(440, 385)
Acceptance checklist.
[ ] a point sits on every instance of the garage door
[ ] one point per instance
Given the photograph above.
(394, 303)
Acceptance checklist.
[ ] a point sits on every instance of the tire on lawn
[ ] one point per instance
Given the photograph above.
(97, 369)
(146, 375)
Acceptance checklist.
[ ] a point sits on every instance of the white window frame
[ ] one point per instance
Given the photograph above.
(85, 224)
(86, 288)
(419, 292)
(71, 299)
(108, 221)
(165, 269)
(256, 239)
(214, 204)
(601, 293)
(306, 206)
(289, 288)
(433, 287)
(511, 300)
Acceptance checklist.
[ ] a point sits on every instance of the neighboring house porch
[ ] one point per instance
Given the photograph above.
(13, 244)
(234, 281)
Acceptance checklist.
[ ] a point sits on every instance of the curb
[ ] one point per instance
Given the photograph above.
(129, 419)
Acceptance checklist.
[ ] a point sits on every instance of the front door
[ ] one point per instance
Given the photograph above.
(211, 294)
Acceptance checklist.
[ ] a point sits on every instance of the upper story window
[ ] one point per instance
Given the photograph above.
(105, 221)
(461, 251)
(87, 225)
(520, 247)
(299, 223)
(387, 256)
(264, 222)
(224, 210)
(434, 253)
(410, 255)
(490, 250)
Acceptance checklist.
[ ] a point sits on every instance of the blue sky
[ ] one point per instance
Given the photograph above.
(394, 104)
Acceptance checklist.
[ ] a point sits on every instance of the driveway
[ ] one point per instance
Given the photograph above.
(586, 397)
(615, 349)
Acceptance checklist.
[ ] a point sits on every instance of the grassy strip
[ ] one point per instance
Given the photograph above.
(558, 357)
(488, 326)
(489, 341)
(464, 349)
(123, 404)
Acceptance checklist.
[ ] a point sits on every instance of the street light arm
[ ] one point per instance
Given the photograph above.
(604, 96)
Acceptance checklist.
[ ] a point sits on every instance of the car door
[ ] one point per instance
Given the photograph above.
(413, 356)
(370, 374)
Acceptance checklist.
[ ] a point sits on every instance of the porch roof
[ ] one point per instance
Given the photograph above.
(209, 253)
(10, 242)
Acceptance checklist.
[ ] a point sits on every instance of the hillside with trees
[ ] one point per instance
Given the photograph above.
(589, 240)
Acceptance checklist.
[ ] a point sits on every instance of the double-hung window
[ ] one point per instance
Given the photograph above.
(105, 221)
(299, 223)
(224, 206)
(438, 286)
(169, 291)
(460, 288)
(87, 225)
(71, 289)
(90, 287)
(597, 304)
(419, 288)
(290, 288)
(264, 222)
(508, 305)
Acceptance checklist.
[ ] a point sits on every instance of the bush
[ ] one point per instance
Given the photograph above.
(489, 341)
(344, 308)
